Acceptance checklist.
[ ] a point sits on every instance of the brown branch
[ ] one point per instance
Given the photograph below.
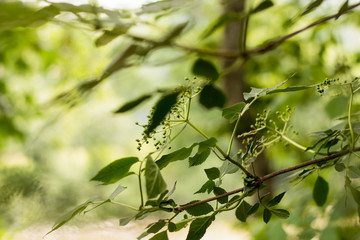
(182, 208)
(267, 47)
(258, 182)
(308, 163)
(215, 53)
(273, 44)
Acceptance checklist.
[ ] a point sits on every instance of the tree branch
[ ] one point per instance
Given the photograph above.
(267, 47)
(182, 208)
(273, 44)
(259, 181)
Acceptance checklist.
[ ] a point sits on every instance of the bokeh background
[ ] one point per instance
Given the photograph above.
(50, 150)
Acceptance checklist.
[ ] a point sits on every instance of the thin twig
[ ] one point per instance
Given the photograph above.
(308, 163)
(267, 47)
(273, 44)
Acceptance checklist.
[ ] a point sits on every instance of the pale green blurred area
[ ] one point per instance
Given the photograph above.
(49, 152)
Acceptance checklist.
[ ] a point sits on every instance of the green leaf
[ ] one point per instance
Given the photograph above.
(171, 227)
(87, 8)
(262, 6)
(260, 92)
(67, 217)
(155, 227)
(311, 7)
(219, 191)
(266, 215)
(281, 213)
(228, 168)
(161, 6)
(234, 198)
(253, 209)
(211, 96)
(155, 183)
(182, 224)
(241, 212)
(205, 69)
(321, 190)
(144, 234)
(276, 200)
(160, 236)
(199, 158)
(290, 89)
(208, 186)
(198, 228)
(120, 61)
(344, 7)
(115, 171)
(175, 31)
(132, 104)
(212, 173)
(177, 155)
(162, 108)
(124, 221)
(117, 191)
(335, 107)
(142, 214)
(339, 167)
(171, 191)
(109, 36)
(221, 21)
(356, 194)
(205, 145)
(231, 113)
(199, 210)
(354, 172)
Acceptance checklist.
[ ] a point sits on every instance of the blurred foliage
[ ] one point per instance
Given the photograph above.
(88, 59)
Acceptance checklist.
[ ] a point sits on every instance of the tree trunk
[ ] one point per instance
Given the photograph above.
(235, 82)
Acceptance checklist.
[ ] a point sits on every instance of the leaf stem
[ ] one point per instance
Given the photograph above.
(295, 144)
(124, 205)
(292, 142)
(352, 145)
(226, 156)
(246, 107)
(140, 187)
